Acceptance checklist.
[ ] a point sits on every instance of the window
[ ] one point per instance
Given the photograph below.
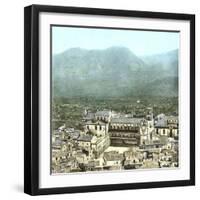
(171, 133)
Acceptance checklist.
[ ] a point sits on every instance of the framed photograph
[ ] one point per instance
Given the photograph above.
(109, 99)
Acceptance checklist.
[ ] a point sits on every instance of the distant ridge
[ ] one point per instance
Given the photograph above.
(114, 72)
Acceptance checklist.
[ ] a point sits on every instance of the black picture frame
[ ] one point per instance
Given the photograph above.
(31, 98)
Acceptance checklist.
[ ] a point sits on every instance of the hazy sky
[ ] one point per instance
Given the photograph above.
(139, 42)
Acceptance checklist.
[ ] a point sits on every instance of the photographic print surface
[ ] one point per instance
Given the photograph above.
(114, 99)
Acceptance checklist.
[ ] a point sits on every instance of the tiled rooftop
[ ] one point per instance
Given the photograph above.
(127, 120)
(85, 138)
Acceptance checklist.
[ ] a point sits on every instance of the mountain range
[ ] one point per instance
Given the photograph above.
(114, 72)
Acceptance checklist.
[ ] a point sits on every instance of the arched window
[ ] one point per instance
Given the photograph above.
(171, 133)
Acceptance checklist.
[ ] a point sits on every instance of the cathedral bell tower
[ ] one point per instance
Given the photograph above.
(143, 132)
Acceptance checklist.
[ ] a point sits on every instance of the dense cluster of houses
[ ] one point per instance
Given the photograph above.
(112, 140)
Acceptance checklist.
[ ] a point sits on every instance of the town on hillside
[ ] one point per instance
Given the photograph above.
(114, 140)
